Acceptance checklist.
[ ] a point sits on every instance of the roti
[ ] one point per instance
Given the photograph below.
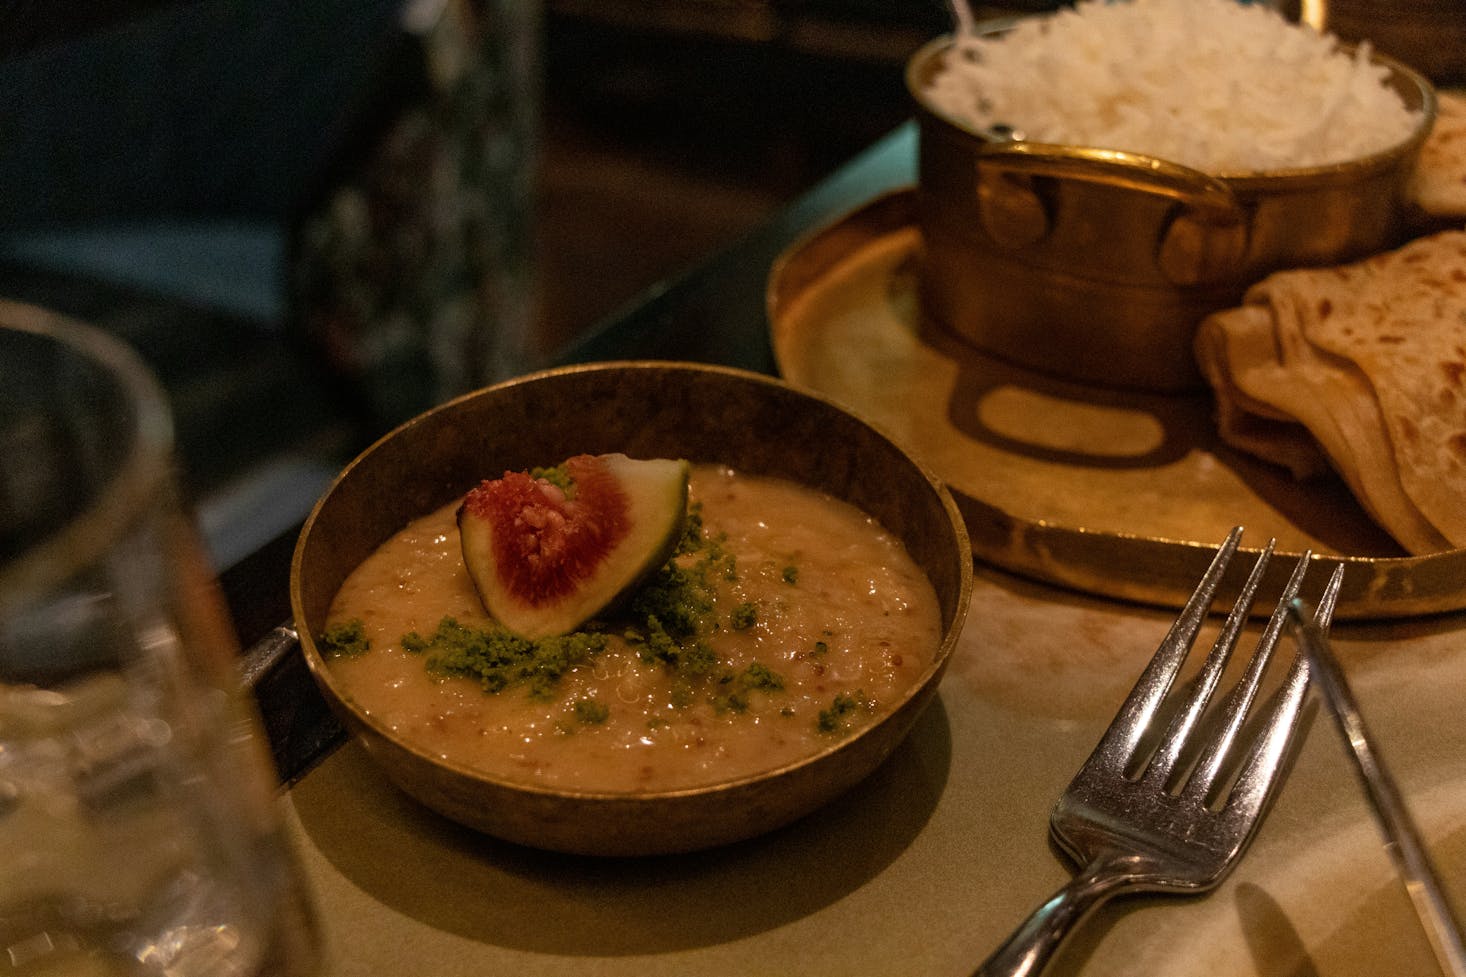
(1437, 185)
(1362, 369)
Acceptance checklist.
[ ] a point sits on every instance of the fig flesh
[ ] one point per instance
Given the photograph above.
(546, 554)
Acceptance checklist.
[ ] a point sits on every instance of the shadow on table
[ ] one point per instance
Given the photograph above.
(456, 880)
(1274, 942)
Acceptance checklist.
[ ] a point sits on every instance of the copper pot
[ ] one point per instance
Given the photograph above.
(1096, 265)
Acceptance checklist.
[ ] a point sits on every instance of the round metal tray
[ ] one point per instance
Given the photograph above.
(1112, 492)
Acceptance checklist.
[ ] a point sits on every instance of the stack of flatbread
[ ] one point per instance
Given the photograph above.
(1362, 369)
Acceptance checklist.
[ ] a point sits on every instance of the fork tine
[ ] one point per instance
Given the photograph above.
(1257, 777)
(1239, 701)
(1168, 754)
(1135, 714)
(1330, 599)
(1127, 835)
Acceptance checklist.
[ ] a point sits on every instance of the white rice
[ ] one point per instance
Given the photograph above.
(1219, 86)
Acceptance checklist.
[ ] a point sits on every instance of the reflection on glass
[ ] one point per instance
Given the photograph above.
(139, 830)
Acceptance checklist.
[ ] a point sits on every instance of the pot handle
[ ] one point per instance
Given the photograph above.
(1205, 241)
(265, 655)
(1111, 167)
(301, 728)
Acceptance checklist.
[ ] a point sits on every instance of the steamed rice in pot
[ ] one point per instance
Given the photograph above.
(1216, 85)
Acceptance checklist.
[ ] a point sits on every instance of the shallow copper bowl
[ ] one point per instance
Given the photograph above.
(704, 414)
(1096, 265)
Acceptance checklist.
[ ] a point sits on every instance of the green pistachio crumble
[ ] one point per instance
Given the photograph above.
(712, 557)
(556, 476)
(345, 638)
(733, 689)
(672, 614)
(677, 601)
(590, 712)
(692, 531)
(655, 644)
(832, 720)
(667, 622)
(497, 659)
(791, 574)
(743, 617)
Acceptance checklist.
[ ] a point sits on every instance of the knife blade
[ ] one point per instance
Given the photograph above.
(1403, 841)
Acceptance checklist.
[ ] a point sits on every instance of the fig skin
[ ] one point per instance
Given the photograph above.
(545, 558)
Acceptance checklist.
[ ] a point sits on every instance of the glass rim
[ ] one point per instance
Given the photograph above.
(131, 490)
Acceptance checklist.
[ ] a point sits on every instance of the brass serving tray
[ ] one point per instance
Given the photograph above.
(1111, 492)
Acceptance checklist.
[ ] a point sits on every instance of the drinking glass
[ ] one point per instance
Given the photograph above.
(140, 828)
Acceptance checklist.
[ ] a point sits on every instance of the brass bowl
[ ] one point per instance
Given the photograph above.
(755, 424)
(1096, 265)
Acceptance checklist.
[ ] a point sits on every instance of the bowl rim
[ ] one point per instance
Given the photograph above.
(365, 722)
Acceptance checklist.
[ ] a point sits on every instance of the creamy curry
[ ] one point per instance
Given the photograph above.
(788, 620)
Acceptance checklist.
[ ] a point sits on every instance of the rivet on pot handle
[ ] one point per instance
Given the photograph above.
(1199, 249)
(1205, 241)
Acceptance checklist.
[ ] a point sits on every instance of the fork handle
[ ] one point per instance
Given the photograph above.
(1027, 952)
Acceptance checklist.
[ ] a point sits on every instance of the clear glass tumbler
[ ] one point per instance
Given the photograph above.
(140, 826)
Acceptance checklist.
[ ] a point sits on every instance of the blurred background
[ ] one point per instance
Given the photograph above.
(286, 206)
(723, 109)
(665, 128)
(315, 219)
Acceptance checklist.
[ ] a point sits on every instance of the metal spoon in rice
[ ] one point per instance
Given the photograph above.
(965, 21)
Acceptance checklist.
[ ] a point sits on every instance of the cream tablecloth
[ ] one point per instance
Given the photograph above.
(923, 868)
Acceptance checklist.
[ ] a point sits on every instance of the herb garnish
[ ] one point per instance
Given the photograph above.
(346, 638)
(744, 616)
(667, 622)
(590, 712)
(497, 659)
(833, 719)
(733, 690)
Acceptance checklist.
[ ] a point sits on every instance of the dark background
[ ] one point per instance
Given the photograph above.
(668, 128)
(154, 155)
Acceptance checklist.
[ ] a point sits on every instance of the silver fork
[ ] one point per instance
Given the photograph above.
(1161, 828)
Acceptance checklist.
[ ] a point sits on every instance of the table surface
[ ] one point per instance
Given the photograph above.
(924, 867)
(927, 865)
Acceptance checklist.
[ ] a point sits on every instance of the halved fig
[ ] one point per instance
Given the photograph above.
(549, 553)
